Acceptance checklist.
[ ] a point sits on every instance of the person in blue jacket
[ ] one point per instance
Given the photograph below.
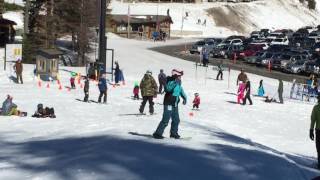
(173, 91)
(261, 89)
(205, 57)
(103, 88)
(117, 73)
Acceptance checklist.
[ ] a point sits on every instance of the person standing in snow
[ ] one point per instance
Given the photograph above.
(261, 89)
(103, 88)
(86, 89)
(162, 80)
(248, 91)
(136, 89)
(220, 71)
(240, 93)
(72, 82)
(315, 127)
(205, 56)
(292, 88)
(18, 68)
(149, 90)
(242, 77)
(204, 22)
(173, 91)
(280, 91)
(117, 73)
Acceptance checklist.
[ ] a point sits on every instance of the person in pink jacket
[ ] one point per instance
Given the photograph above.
(240, 93)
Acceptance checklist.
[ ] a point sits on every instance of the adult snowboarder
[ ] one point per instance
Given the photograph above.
(18, 68)
(242, 77)
(173, 91)
(280, 91)
(248, 91)
(149, 90)
(86, 89)
(103, 88)
(162, 80)
(315, 126)
(205, 56)
(220, 71)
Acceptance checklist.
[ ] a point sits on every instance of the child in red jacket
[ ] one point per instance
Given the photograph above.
(196, 101)
(136, 91)
(72, 80)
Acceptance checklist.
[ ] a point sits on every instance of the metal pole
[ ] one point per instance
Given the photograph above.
(102, 32)
(128, 27)
(158, 16)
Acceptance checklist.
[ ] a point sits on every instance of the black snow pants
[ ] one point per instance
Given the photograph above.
(144, 102)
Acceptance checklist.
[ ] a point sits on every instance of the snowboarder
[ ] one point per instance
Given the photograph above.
(242, 77)
(173, 91)
(103, 88)
(199, 21)
(86, 89)
(162, 80)
(72, 82)
(241, 90)
(196, 101)
(315, 126)
(18, 68)
(261, 89)
(149, 90)
(248, 91)
(136, 89)
(220, 71)
(280, 91)
(117, 73)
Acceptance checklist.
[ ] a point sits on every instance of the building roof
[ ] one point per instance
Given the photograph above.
(7, 22)
(141, 18)
(50, 53)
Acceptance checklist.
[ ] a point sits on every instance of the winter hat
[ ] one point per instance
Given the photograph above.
(136, 84)
(176, 72)
(196, 94)
(149, 72)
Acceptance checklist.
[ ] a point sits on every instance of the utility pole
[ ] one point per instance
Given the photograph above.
(128, 27)
(102, 34)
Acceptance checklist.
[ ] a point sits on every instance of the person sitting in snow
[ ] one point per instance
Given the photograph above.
(9, 108)
(240, 93)
(44, 112)
(196, 101)
(136, 90)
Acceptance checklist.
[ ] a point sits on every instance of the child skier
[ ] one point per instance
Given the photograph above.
(196, 101)
(261, 89)
(72, 80)
(240, 93)
(136, 90)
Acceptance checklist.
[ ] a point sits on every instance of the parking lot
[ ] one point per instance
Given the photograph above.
(179, 51)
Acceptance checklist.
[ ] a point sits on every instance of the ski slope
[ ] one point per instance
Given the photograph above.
(90, 141)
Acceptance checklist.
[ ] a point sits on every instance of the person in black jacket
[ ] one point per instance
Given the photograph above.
(86, 89)
(248, 91)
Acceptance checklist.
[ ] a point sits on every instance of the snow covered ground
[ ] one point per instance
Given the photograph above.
(227, 18)
(91, 141)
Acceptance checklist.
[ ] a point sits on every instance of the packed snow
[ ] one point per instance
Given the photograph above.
(91, 141)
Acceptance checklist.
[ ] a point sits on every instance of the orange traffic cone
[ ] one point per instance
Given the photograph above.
(60, 87)
(58, 81)
(191, 114)
(81, 86)
(48, 85)
(39, 84)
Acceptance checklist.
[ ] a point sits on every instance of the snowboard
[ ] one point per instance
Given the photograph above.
(137, 114)
(151, 136)
(193, 109)
(23, 114)
(82, 100)
(93, 101)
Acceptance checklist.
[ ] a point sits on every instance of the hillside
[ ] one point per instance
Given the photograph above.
(227, 18)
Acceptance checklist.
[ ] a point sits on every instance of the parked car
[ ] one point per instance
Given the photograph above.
(312, 67)
(267, 57)
(265, 32)
(280, 41)
(251, 50)
(291, 58)
(195, 48)
(233, 42)
(297, 67)
(253, 59)
(233, 50)
(219, 50)
(208, 43)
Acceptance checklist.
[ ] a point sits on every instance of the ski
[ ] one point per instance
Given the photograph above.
(151, 136)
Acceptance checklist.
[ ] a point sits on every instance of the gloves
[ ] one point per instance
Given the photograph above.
(311, 135)
(184, 102)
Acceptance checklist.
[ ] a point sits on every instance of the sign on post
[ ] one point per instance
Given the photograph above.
(13, 52)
